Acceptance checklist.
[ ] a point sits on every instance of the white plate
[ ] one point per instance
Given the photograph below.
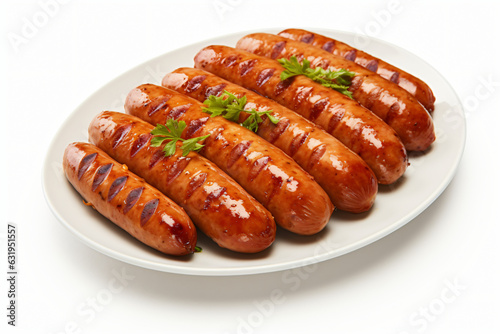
(396, 205)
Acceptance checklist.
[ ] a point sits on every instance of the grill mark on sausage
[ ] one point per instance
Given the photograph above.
(308, 38)
(393, 110)
(101, 175)
(120, 134)
(217, 135)
(300, 57)
(350, 55)
(318, 108)
(149, 210)
(132, 198)
(195, 183)
(301, 94)
(277, 48)
(158, 104)
(214, 195)
(230, 60)
(355, 83)
(372, 65)
(317, 154)
(237, 152)
(372, 96)
(282, 86)
(85, 164)
(335, 120)
(325, 63)
(156, 158)
(246, 66)
(116, 187)
(279, 129)
(195, 125)
(177, 168)
(178, 111)
(177, 230)
(329, 46)
(195, 83)
(139, 143)
(257, 166)
(215, 90)
(277, 183)
(264, 75)
(395, 77)
(297, 142)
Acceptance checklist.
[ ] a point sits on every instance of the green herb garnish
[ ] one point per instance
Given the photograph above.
(229, 106)
(339, 80)
(172, 131)
(197, 249)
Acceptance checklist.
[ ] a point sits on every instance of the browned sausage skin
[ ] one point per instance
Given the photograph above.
(410, 83)
(346, 178)
(356, 127)
(128, 201)
(391, 103)
(297, 202)
(216, 203)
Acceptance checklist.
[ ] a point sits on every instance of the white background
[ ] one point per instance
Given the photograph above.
(438, 274)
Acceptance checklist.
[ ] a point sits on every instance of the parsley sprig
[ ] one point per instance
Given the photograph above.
(229, 106)
(339, 80)
(172, 131)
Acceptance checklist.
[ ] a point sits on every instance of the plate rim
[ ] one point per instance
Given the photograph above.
(254, 268)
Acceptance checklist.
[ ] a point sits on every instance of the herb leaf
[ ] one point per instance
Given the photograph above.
(172, 131)
(192, 144)
(229, 106)
(339, 80)
(170, 148)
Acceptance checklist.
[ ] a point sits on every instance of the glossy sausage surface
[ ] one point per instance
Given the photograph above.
(355, 126)
(410, 83)
(216, 203)
(391, 103)
(128, 201)
(297, 202)
(346, 178)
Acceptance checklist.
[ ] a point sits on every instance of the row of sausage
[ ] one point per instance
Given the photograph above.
(325, 151)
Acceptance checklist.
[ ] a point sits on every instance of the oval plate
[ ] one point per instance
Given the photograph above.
(426, 178)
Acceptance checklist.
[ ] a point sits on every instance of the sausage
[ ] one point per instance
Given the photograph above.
(296, 201)
(391, 103)
(347, 179)
(356, 127)
(128, 201)
(410, 83)
(216, 203)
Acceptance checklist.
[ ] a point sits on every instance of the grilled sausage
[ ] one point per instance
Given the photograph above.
(410, 83)
(358, 128)
(391, 103)
(346, 178)
(128, 201)
(297, 202)
(216, 203)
